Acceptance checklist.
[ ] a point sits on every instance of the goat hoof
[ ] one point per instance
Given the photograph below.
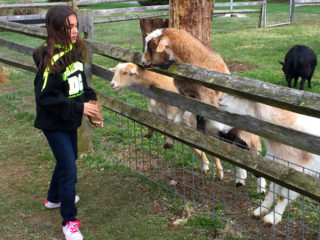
(271, 219)
(239, 184)
(167, 145)
(205, 168)
(220, 174)
(261, 190)
(267, 224)
(255, 216)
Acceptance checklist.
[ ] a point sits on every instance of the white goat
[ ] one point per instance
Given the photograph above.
(128, 74)
(300, 159)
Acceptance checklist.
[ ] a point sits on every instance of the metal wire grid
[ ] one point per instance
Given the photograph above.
(178, 170)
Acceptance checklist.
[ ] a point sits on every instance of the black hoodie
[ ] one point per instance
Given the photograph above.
(60, 96)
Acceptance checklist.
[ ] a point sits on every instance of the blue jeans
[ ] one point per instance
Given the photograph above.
(62, 187)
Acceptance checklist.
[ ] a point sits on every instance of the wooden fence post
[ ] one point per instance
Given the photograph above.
(84, 132)
(262, 15)
(74, 5)
(292, 5)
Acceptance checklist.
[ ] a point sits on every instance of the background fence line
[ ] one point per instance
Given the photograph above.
(35, 18)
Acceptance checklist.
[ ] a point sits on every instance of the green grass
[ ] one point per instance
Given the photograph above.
(264, 48)
(115, 203)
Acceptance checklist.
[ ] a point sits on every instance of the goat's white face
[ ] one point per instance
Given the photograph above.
(157, 51)
(124, 76)
(228, 103)
(235, 104)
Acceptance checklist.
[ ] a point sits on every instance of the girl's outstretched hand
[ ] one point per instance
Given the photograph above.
(90, 109)
(94, 112)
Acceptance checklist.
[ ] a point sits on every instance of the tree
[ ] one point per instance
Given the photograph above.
(194, 16)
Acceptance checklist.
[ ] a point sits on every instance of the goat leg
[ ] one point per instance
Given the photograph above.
(201, 124)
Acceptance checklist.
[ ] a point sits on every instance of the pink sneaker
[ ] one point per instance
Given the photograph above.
(71, 230)
(52, 205)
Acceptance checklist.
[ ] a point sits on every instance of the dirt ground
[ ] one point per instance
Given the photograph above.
(239, 67)
(224, 198)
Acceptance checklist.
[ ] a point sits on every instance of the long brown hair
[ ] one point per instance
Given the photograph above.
(57, 23)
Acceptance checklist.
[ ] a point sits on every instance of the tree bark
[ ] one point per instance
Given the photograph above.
(194, 16)
(148, 25)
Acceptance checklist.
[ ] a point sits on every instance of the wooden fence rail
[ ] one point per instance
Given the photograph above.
(271, 131)
(290, 99)
(306, 2)
(278, 96)
(93, 2)
(32, 31)
(40, 18)
(46, 5)
(300, 3)
(128, 9)
(276, 172)
(34, 18)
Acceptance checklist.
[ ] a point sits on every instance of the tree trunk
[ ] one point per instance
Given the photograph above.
(148, 25)
(194, 16)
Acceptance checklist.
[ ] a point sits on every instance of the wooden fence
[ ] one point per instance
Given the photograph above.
(299, 3)
(38, 18)
(286, 98)
(46, 5)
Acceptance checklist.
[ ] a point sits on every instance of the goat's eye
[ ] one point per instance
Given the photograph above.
(125, 73)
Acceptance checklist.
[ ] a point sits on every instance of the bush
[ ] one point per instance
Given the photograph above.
(153, 2)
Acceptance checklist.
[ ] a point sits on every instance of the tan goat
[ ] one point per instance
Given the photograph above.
(128, 74)
(300, 160)
(164, 46)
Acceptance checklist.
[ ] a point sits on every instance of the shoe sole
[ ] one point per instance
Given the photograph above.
(70, 238)
(57, 206)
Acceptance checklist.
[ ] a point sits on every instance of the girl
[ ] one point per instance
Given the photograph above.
(62, 96)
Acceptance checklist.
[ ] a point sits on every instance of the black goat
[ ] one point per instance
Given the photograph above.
(300, 61)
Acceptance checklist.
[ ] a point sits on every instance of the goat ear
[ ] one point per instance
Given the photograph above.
(134, 71)
(282, 63)
(162, 46)
(112, 69)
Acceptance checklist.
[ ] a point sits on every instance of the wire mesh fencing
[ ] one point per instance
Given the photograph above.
(232, 200)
